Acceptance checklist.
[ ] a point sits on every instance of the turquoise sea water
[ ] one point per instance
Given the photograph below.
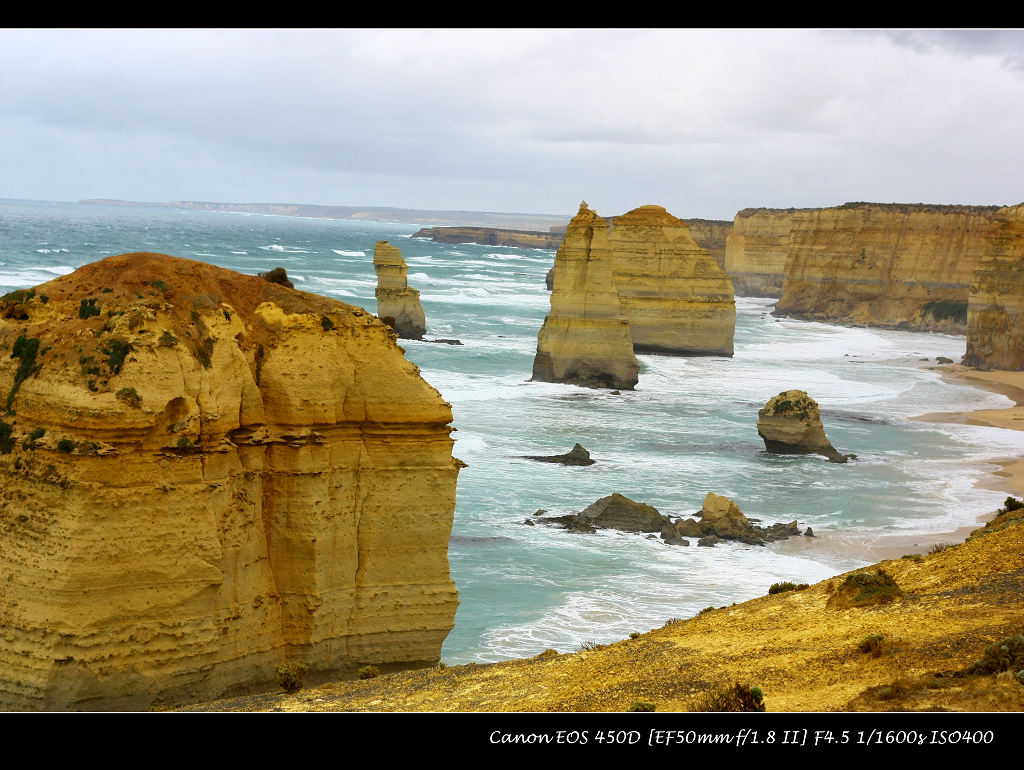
(688, 429)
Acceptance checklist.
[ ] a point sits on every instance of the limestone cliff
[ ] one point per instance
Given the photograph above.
(585, 339)
(205, 475)
(674, 296)
(790, 423)
(491, 236)
(397, 305)
(898, 265)
(995, 313)
(711, 234)
(756, 249)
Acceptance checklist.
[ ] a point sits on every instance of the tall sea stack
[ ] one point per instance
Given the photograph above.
(397, 305)
(677, 300)
(204, 476)
(585, 339)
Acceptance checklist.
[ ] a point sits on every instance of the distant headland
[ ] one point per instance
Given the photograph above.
(506, 221)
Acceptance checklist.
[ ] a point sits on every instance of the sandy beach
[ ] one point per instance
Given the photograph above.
(1010, 475)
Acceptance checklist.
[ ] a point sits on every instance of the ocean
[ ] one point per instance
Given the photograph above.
(689, 428)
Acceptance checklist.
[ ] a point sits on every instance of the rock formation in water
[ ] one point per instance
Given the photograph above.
(585, 339)
(674, 296)
(790, 423)
(491, 236)
(756, 250)
(203, 476)
(995, 313)
(575, 456)
(896, 265)
(397, 305)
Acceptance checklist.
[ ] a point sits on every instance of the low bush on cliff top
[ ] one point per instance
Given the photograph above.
(778, 588)
(737, 697)
(369, 672)
(1011, 504)
(873, 645)
(1005, 655)
(863, 589)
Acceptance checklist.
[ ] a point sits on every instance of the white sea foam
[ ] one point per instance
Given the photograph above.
(344, 253)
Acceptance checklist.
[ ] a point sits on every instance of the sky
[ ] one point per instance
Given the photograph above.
(704, 122)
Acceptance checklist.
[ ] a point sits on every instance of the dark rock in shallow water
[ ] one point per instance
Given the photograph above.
(529, 523)
(619, 512)
(446, 342)
(944, 360)
(575, 456)
(708, 541)
(808, 533)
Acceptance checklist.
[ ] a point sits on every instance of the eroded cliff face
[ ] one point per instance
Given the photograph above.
(898, 265)
(675, 298)
(756, 249)
(397, 305)
(711, 234)
(204, 475)
(995, 313)
(585, 339)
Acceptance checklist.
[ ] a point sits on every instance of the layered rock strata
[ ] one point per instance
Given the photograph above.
(205, 476)
(995, 312)
(585, 339)
(397, 305)
(711, 234)
(894, 265)
(756, 249)
(790, 423)
(675, 298)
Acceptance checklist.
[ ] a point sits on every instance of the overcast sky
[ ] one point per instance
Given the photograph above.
(703, 122)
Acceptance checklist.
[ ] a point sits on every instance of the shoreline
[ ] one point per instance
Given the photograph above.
(1009, 477)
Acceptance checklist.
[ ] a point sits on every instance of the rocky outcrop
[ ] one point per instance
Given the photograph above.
(895, 265)
(790, 423)
(491, 236)
(575, 456)
(207, 475)
(756, 250)
(711, 234)
(397, 305)
(675, 298)
(995, 312)
(585, 339)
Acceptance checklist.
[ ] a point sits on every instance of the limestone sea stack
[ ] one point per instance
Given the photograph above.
(995, 313)
(676, 299)
(790, 423)
(585, 339)
(894, 265)
(204, 476)
(397, 304)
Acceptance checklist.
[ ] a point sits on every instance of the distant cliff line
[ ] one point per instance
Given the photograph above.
(458, 218)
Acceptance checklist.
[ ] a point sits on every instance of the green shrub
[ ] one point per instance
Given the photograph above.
(18, 296)
(870, 587)
(183, 442)
(1004, 655)
(737, 697)
(291, 675)
(940, 310)
(634, 635)
(66, 445)
(24, 349)
(326, 323)
(672, 622)
(116, 351)
(88, 308)
(914, 557)
(706, 610)
(1012, 504)
(642, 705)
(778, 588)
(6, 442)
(873, 645)
(167, 340)
(33, 437)
(130, 396)
(368, 672)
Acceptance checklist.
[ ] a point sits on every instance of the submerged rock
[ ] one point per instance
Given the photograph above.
(790, 423)
(575, 456)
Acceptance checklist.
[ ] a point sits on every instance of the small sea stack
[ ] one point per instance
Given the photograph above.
(790, 423)
(397, 305)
